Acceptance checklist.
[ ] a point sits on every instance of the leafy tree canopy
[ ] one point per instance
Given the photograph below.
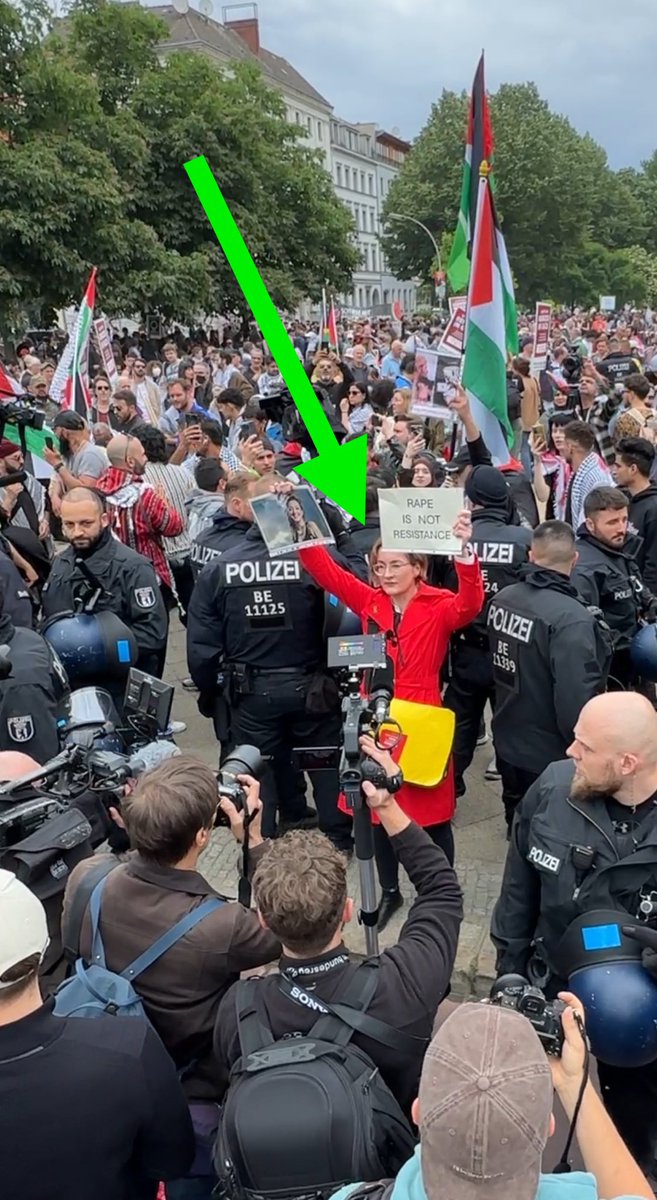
(93, 139)
(573, 227)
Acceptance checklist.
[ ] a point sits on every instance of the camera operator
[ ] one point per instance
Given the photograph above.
(95, 560)
(300, 891)
(487, 1141)
(585, 839)
(169, 817)
(33, 690)
(88, 1108)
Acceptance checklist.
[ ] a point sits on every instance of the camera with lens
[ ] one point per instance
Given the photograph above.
(514, 991)
(294, 428)
(22, 413)
(571, 369)
(244, 760)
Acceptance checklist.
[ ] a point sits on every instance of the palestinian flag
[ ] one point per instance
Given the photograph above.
(75, 393)
(479, 148)
(10, 388)
(491, 313)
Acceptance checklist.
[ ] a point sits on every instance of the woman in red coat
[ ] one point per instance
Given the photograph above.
(418, 621)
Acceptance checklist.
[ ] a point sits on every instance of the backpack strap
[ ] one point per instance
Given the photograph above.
(72, 926)
(169, 939)
(350, 1015)
(253, 1034)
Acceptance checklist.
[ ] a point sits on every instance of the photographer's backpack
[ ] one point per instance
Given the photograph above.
(307, 1115)
(93, 989)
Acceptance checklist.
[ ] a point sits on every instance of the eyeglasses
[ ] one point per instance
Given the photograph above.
(355, 392)
(102, 387)
(393, 568)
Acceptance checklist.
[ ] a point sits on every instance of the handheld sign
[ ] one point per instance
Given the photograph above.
(290, 521)
(420, 520)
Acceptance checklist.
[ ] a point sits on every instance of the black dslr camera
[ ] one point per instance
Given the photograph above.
(571, 369)
(244, 760)
(514, 991)
(22, 413)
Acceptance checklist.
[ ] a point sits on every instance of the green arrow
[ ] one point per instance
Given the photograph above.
(339, 471)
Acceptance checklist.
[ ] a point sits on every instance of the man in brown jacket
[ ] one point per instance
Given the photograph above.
(170, 816)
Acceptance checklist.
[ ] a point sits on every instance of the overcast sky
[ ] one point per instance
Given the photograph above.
(387, 60)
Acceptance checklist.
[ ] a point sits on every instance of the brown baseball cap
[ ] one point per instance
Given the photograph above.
(485, 1105)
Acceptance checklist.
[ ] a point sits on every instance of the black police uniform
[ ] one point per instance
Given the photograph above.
(16, 601)
(33, 697)
(502, 549)
(129, 589)
(568, 857)
(617, 366)
(550, 656)
(259, 621)
(224, 533)
(643, 522)
(610, 579)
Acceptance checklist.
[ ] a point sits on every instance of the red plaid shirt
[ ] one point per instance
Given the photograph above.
(139, 518)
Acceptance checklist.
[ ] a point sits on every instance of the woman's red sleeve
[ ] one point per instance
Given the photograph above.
(463, 606)
(317, 561)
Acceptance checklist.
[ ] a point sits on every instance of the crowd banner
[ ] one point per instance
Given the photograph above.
(452, 340)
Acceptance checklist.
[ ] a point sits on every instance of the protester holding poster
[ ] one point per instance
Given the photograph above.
(289, 521)
(418, 621)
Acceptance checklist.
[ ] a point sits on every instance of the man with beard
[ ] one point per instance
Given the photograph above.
(607, 576)
(77, 463)
(585, 839)
(96, 560)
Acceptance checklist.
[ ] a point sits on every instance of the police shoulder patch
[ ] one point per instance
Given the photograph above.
(145, 597)
(20, 729)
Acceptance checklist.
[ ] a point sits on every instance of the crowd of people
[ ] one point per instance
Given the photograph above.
(316, 1078)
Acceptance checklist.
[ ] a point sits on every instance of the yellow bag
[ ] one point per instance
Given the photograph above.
(427, 739)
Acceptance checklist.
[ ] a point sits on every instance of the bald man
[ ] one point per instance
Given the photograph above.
(585, 838)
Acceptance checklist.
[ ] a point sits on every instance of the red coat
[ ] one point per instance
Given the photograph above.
(417, 652)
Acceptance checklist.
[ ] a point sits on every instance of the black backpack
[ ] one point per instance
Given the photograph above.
(307, 1115)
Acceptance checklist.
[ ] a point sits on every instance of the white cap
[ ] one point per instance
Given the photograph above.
(23, 925)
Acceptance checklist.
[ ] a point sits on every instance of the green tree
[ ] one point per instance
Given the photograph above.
(563, 210)
(94, 134)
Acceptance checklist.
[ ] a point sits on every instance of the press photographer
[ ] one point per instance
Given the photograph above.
(376, 1014)
(169, 817)
(484, 1113)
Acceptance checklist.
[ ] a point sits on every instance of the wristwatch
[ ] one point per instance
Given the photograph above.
(58, 467)
(394, 782)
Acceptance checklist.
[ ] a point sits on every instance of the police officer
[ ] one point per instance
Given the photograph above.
(502, 547)
(608, 577)
(33, 691)
(16, 594)
(550, 655)
(96, 564)
(259, 622)
(585, 839)
(228, 526)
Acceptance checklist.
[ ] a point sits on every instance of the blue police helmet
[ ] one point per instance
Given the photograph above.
(643, 652)
(620, 1003)
(604, 970)
(339, 621)
(92, 646)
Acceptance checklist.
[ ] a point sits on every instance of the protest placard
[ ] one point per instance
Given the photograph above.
(542, 322)
(104, 339)
(452, 339)
(457, 302)
(289, 521)
(420, 520)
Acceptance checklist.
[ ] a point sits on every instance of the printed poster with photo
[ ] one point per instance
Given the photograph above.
(433, 386)
(290, 521)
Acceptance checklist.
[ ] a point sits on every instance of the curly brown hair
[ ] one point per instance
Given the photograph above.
(300, 889)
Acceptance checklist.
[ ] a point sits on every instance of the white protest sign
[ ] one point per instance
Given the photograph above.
(607, 304)
(420, 520)
(541, 345)
(104, 339)
(453, 337)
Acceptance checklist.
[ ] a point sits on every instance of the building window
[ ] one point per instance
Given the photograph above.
(371, 220)
(371, 183)
(357, 215)
(366, 257)
(338, 174)
(297, 117)
(347, 177)
(320, 131)
(362, 181)
(360, 297)
(309, 122)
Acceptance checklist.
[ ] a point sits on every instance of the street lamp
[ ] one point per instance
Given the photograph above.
(414, 220)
